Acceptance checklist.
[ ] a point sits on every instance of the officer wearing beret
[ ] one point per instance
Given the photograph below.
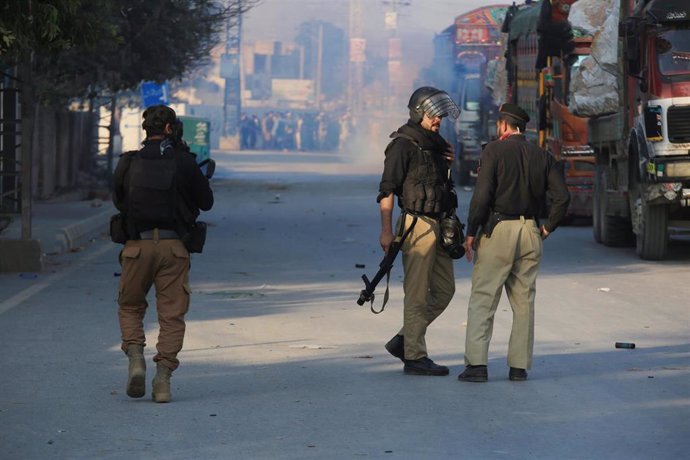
(514, 177)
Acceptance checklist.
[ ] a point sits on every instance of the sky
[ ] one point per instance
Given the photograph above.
(418, 21)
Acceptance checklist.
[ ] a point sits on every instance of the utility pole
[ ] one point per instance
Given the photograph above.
(230, 70)
(357, 58)
(319, 66)
(394, 49)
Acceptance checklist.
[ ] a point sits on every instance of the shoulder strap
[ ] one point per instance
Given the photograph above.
(397, 135)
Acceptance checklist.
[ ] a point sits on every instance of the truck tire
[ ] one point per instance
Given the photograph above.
(598, 195)
(652, 239)
(616, 231)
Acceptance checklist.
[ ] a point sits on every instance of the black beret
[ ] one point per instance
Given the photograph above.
(514, 111)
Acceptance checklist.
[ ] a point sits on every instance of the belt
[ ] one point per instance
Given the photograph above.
(431, 215)
(159, 234)
(502, 216)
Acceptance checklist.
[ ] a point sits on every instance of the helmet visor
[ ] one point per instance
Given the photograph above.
(440, 105)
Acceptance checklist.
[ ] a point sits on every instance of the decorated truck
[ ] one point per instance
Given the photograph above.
(466, 52)
(541, 50)
(642, 186)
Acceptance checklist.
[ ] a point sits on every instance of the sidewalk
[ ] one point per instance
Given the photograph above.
(62, 225)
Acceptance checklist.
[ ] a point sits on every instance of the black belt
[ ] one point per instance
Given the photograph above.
(502, 216)
(163, 234)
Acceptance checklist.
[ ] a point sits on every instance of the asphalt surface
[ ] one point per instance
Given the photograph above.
(280, 363)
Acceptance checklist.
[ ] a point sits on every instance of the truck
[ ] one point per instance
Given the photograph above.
(642, 180)
(541, 49)
(465, 54)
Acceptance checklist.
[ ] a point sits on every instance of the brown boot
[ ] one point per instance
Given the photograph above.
(136, 380)
(161, 384)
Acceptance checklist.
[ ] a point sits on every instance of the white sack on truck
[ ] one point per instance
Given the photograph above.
(594, 83)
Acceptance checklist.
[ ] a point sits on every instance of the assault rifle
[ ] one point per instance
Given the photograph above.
(367, 294)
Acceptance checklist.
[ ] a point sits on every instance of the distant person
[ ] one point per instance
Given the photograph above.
(268, 126)
(254, 132)
(159, 190)
(514, 178)
(416, 170)
(245, 129)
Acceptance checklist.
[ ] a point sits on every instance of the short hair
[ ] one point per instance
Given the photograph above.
(156, 117)
(512, 122)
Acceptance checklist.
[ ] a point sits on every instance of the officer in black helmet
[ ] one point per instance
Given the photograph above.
(417, 171)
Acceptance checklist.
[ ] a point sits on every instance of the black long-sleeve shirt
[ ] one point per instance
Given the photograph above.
(514, 176)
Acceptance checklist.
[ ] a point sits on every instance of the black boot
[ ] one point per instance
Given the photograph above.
(424, 366)
(396, 347)
(517, 375)
(474, 374)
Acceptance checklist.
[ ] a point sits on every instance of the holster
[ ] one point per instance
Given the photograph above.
(491, 223)
(118, 228)
(196, 237)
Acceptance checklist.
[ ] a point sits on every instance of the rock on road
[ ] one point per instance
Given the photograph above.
(280, 363)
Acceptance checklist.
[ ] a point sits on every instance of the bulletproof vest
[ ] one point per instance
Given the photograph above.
(152, 191)
(425, 189)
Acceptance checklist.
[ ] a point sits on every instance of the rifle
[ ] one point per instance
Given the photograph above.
(367, 294)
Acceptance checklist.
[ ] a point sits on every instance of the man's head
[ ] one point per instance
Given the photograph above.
(429, 105)
(511, 119)
(158, 120)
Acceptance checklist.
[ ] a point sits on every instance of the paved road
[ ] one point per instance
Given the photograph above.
(279, 361)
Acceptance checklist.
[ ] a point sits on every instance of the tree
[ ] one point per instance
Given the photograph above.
(66, 49)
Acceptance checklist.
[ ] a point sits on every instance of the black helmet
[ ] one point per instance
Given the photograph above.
(433, 102)
(156, 117)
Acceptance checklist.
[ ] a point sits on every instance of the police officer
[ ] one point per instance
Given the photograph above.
(514, 177)
(416, 169)
(152, 187)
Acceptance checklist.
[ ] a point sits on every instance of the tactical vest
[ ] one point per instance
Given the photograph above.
(426, 188)
(152, 191)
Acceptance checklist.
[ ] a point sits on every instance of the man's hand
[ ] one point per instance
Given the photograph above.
(449, 154)
(386, 239)
(469, 243)
(544, 233)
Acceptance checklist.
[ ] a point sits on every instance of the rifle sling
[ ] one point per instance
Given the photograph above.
(402, 235)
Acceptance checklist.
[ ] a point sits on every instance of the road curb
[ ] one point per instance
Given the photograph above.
(75, 235)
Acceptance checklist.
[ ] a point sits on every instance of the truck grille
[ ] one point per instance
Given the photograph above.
(679, 123)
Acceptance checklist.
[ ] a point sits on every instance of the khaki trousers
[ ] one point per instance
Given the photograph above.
(510, 258)
(165, 264)
(429, 283)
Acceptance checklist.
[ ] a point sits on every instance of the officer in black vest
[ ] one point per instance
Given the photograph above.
(416, 169)
(153, 188)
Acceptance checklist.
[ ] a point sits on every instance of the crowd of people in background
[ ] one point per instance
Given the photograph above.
(292, 131)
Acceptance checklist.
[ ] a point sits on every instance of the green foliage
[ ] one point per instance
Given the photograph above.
(81, 46)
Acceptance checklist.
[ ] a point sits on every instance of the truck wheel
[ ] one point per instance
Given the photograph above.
(598, 195)
(652, 239)
(616, 231)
